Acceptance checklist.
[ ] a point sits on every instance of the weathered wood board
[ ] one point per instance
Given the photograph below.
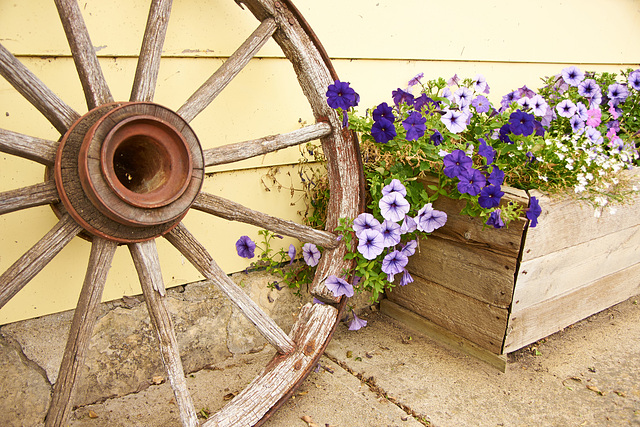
(504, 289)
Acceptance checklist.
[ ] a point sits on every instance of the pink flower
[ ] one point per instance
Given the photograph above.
(612, 111)
(594, 117)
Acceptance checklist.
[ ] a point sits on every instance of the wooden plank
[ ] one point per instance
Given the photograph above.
(28, 197)
(475, 272)
(84, 320)
(555, 232)
(547, 317)
(442, 335)
(546, 277)
(479, 322)
(29, 147)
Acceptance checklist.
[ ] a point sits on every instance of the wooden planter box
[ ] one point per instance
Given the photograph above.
(492, 292)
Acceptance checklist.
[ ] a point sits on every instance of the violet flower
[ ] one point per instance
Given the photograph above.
(339, 287)
(311, 254)
(245, 247)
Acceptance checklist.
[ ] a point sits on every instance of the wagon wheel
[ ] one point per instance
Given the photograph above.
(127, 172)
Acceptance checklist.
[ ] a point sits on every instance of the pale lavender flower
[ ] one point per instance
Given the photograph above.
(370, 244)
(525, 103)
(572, 75)
(480, 84)
(394, 262)
(463, 96)
(594, 135)
(393, 206)
(509, 98)
(406, 278)
(566, 108)
(581, 111)
(446, 93)
(455, 121)
(481, 104)
(357, 323)
(588, 88)
(577, 124)
(429, 219)
(365, 221)
(339, 287)
(539, 106)
(410, 248)
(634, 80)
(390, 233)
(394, 186)
(408, 225)
(292, 253)
(416, 79)
(617, 93)
(311, 254)
(455, 80)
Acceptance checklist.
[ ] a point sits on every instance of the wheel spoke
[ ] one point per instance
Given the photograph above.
(145, 258)
(244, 150)
(144, 83)
(227, 71)
(29, 147)
(95, 87)
(200, 258)
(36, 258)
(40, 96)
(28, 197)
(233, 211)
(84, 320)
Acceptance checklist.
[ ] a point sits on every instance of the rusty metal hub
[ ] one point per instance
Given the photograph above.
(129, 171)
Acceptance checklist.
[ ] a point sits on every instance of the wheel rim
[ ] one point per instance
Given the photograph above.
(102, 189)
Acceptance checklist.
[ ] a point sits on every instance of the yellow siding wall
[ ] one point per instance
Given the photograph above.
(376, 45)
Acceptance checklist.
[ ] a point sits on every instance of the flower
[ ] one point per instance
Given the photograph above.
(357, 323)
(486, 151)
(481, 104)
(595, 116)
(572, 75)
(393, 206)
(538, 105)
(394, 262)
(408, 225)
(534, 211)
(370, 243)
(617, 92)
(634, 80)
(400, 96)
(416, 79)
(311, 254)
(365, 221)
(521, 123)
(490, 196)
(339, 286)
(495, 220)
(340, 95)
(496, 177)
(436, 138)
(245, 247)
(429, 219)
(292, 253)
(480, 84)
(394, 186)
(566, 108)
(462, 97)
(471, 181)
(383, 111)
(414, 125)
(391, 233)
(455, 121)
(455, 163)
(410, 248)
(383, 131)
(406, 278)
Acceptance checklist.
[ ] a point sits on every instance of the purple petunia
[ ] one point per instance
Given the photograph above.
(617, 93)
(383, 131)
(490, 196)
(588, 88)
(416, 79)
(437, 138)
(496, 177)
(370, 244)
(509, 98)
(406, 278)
(486, 151)
(455, 121)
(480, 84)
(357, 323)
(408, 225)
(572, 75)
(533, 211)
(455, 163)
(395, 186)
(462, 97)
(365, 221)
(339, 287)
(400, 96)
(391, 234)
(245, 247)
(415, 126)
(495, 219)
(383, 111)
(311, 254)
(291, 253)
(393, 206)
(634, 80)
(340, 95)
(429, 219)
(420, 102)
(410, 248)
(471, 181)
(566, 108)
(481, 104)
(521, 123)
(394, 262)
(504, 132)
(538, 105)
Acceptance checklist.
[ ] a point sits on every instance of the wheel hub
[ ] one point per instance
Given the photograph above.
(129, 172)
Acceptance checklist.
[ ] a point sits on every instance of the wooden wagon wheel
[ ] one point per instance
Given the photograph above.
(127, 172)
